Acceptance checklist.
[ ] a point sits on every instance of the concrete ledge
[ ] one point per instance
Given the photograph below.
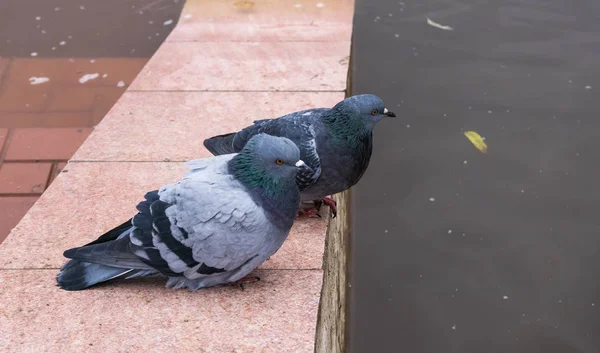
(165, 119)
(331, 324)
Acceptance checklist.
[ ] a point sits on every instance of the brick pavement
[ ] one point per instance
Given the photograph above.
(42, 125)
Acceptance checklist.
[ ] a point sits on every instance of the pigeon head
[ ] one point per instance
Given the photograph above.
(358, 113)
(369, 107)
(267, 163)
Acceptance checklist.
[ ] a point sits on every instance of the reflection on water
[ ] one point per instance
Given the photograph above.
(63, 65)
(455, 250)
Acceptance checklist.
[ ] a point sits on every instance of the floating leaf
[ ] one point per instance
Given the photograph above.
(437, 25)
(476, 140)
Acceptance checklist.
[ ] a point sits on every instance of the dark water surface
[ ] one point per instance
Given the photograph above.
(454, 250)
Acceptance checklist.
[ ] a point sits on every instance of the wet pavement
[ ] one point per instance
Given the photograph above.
(455, 250)
(63, 65)
(86, 28)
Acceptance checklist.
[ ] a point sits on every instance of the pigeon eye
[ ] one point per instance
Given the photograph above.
(279, 161)
(374, 112)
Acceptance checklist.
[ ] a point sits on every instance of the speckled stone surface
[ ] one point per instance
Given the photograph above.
(152, 126)
(270, 20)
(276, 314)
(91, 198)
(246, 66)
(225, 65)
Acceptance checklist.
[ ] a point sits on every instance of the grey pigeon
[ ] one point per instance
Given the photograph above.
(221, 221)
(335, 143)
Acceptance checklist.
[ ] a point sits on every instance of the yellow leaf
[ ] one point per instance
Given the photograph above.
(476, 140)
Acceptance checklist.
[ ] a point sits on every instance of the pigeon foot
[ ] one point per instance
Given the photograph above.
(314, 210)
(248, 279)
(329, 202)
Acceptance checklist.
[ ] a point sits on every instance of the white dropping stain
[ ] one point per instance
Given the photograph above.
(34, 54)
(43, 31)
(408, 126)
(320, 5)
(505, 297)
(38, 18)
(38, 80)
(464, 162)
(187, 16)
(306, 114)
(397, 35)
(87, 77)
(390, 14)
(53, 48)
(93, 61)
(449, 231)
(588, 87)
(454, 327)
(522, 191)
(120, 84)
(437, 25)
(489, 112)
(432, 199)
(570, 81)
(167, 22)
(70, 37)
(385, 231)
(298, 6)
(81, 7)
(62, 43)
(105, 76)
(57, 9)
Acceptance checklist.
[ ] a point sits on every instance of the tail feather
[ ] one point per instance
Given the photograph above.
(221, 144)
(78, 275)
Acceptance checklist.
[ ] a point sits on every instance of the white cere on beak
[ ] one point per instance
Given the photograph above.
(300, 163)
(385, 111)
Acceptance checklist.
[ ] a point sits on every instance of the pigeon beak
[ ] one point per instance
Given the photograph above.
(388, 113)
(300, 163)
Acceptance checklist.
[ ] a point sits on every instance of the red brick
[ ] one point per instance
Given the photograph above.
(62, 119)
(45, 144)
(71, 98)
(13, 209)
(18, 94)
(58, 167)
(24, 178)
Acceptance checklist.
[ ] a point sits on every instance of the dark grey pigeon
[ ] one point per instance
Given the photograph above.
(334, 143)
(221, 221)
